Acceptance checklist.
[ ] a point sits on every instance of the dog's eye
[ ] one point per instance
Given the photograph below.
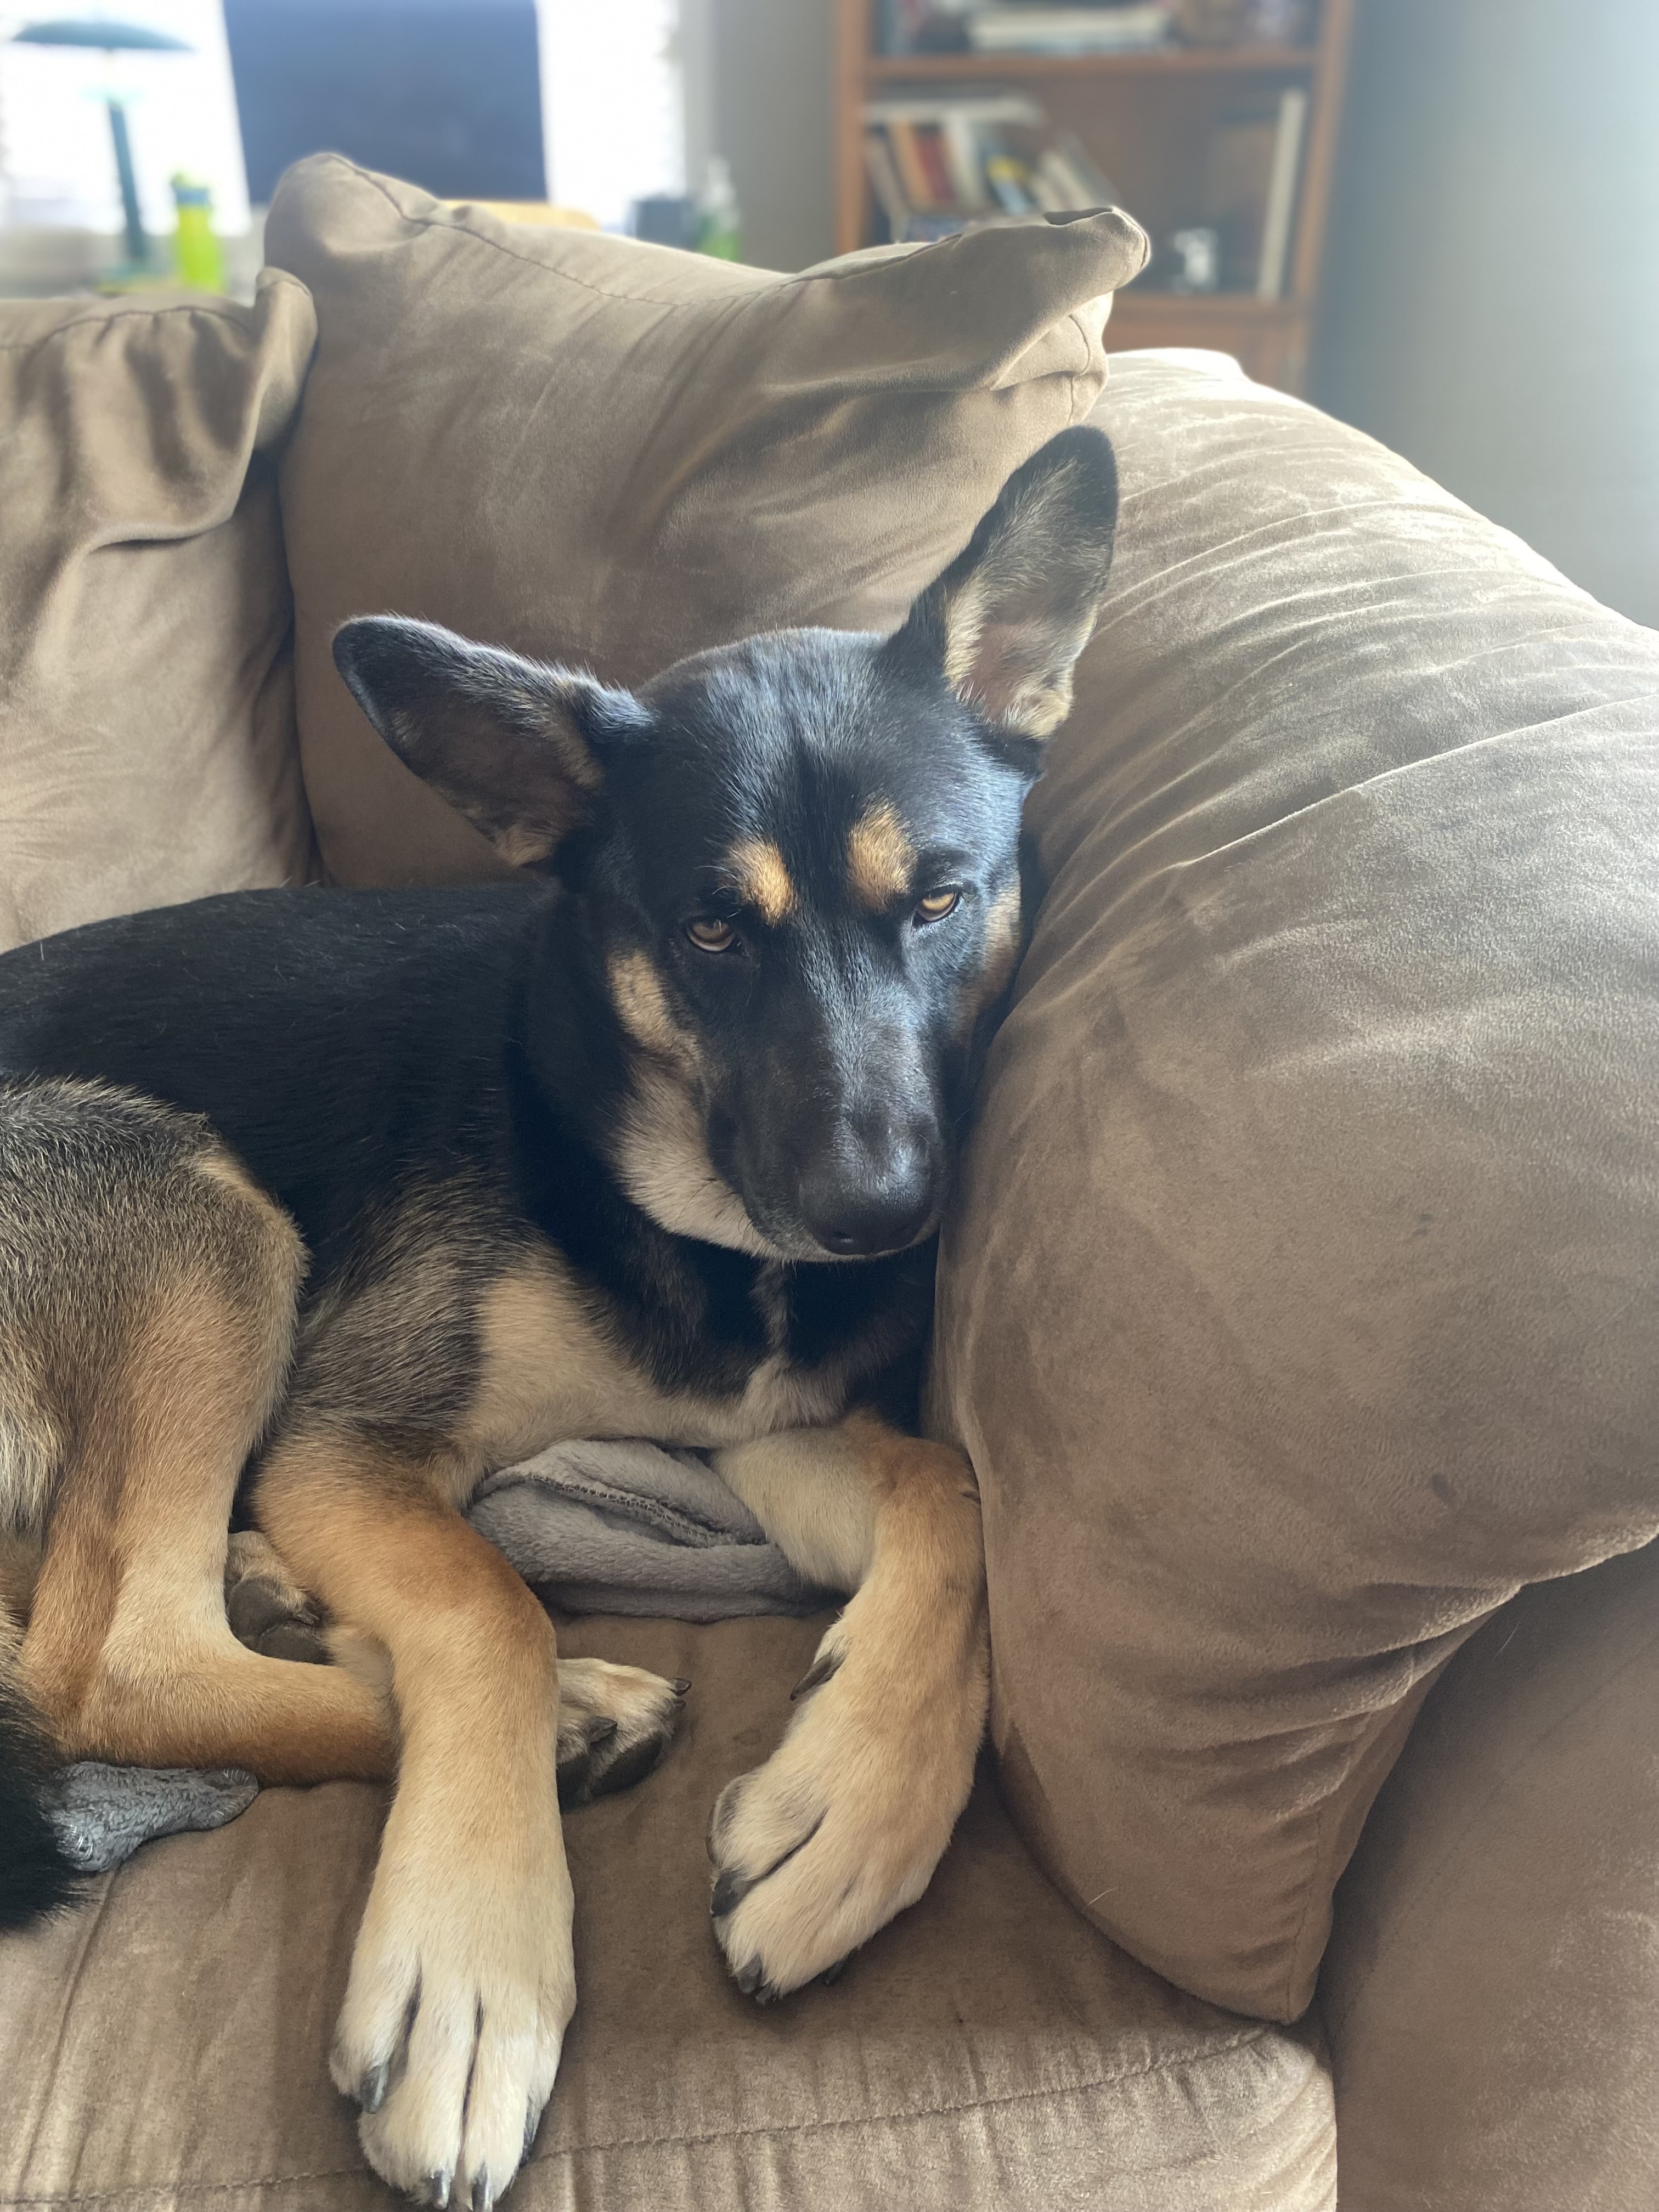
(945, 899)
(709, 934)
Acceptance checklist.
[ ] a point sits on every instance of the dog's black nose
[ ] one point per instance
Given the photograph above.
(859, 1205)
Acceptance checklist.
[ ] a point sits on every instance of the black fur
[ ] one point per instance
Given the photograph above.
(35, 1877)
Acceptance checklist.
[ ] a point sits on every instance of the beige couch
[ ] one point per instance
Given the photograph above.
(1297, 1311)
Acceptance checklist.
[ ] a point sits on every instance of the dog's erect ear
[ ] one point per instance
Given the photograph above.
(1008, 618)
(508, 743)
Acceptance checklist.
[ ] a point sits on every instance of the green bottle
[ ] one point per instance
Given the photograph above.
(719, 227)
(197, 255)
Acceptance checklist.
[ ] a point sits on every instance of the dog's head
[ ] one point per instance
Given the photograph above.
(796, 859)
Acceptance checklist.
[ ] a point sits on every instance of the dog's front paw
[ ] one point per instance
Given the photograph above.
(614, 1723)
(843, 1825)
(462, 1985)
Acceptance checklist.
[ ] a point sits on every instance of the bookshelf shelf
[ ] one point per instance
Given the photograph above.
(1164, 61)
(1149, 120)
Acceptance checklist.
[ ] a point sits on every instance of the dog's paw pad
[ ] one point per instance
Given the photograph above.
(269, 1618)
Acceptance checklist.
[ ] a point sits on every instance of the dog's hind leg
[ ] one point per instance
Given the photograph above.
(128, 1653)
(149, 1317)
(843, 1825)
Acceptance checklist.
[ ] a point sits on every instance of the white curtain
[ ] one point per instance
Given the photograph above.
(56, 164)
(618, 76)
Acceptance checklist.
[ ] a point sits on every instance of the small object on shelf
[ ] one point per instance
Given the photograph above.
(197, 255)
(1212, 22)
(1134, 28)
(667, 219)
(1279, 22)
(719, 230)
(1195, 259)
(111, 38)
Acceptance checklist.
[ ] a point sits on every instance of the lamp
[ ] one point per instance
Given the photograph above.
(111, 38)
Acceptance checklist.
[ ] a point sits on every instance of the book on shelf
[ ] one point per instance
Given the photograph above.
(1135, 27)
(1280, 213)
(938, 164)
(1252, 169)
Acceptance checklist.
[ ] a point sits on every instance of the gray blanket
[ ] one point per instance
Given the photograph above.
(596, 1526)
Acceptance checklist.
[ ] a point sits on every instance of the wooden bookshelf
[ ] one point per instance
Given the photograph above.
(1147, 119)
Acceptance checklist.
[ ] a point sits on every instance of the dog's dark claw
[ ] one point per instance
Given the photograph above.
(371, 2090)
(601, 1732)
(682, 1683)
(532, 2121)
(730, 1890)
(437, 2189)
(816, 1675)
(750, 1979)
(831, 1975)
(483, 2195)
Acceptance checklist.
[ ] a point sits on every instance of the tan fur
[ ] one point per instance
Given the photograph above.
(642, 1007)
(843, 1825)
(660, 1155)
(128, 1654)
(20, 1569)
(880, 858)
(470, 1907)
(965, 625)
(999, 956)
(549, 1373)
(1023, 682)
(758, 868)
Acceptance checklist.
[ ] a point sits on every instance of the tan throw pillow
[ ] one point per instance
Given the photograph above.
(1300, 1302)
(147, 742)
(581, 447)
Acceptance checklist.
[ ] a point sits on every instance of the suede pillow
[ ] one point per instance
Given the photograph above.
(147, 740)
(584, 447)
(1300, 1300)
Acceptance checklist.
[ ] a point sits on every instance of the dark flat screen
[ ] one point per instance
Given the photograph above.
(444, 93)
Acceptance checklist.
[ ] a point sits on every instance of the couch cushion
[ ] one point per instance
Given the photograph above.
(147, 744)
(1491, 1989)
(581, 447)
(1300, 1302)
(165, 2045)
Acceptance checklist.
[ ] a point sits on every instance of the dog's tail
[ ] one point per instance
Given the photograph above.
(34, 1875)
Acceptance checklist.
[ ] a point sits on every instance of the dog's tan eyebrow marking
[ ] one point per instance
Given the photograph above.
(880, 858)
(762, 880)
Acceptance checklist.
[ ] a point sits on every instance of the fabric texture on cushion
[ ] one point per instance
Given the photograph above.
(147, 738)
(585, 447)
(1491, 1988)
(1298, 1301)
(166, 2046)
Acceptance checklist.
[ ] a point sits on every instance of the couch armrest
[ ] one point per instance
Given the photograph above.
(1491, 1986)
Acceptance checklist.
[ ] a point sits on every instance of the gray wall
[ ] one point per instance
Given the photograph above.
(773, 78)
(1492, 299)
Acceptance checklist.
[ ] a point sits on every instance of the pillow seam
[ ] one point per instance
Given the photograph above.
(782, 278)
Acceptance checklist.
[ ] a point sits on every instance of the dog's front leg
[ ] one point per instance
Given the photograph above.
(462, 1981)
(843, 1825)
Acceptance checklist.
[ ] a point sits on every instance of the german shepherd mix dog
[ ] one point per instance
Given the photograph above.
(340, 1199)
